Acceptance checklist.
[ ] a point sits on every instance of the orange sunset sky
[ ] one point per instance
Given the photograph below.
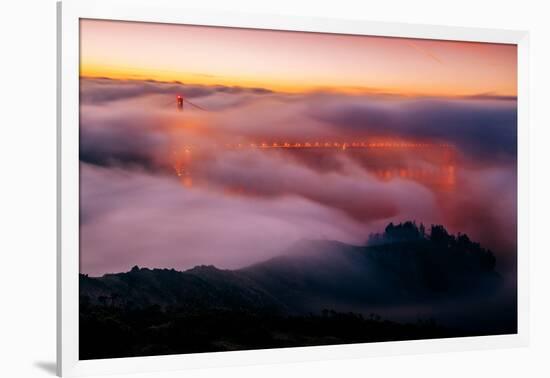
(294, 61)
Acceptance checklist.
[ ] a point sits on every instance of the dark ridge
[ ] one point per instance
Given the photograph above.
(423, 284)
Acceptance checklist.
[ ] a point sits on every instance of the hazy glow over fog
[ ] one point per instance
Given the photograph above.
(172, 188)
(295, 62)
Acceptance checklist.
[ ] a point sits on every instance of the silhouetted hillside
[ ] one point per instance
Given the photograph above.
(197, 289)
(395, 273)
(400, 266)
(404, 274)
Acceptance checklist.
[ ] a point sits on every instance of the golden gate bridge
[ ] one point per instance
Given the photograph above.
(442, 156)
(440, 170)
(320, 145)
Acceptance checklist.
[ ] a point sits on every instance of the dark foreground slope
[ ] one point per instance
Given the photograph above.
(319, 292)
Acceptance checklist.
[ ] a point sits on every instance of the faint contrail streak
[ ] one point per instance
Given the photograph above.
(424, 51)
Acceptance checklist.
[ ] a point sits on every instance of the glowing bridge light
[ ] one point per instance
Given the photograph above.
(334, 145)
(441, 172)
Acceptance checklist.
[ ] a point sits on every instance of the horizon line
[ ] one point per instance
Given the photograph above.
(344, 90)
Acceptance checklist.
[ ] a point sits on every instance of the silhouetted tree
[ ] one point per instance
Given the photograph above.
(422, 231)
(439, 235)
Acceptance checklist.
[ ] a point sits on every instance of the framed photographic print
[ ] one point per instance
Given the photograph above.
(240, 188)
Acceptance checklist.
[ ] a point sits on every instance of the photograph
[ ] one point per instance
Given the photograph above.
(245, 189)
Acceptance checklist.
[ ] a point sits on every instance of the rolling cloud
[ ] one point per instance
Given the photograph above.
(249, 205)
(102, 90)
(484, 128)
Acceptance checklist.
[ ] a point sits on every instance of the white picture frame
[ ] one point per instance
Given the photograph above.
(169, 11)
